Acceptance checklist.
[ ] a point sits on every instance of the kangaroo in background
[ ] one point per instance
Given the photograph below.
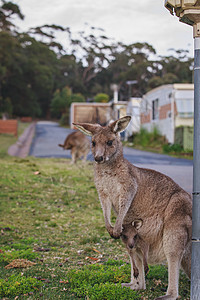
(78, 144)
(138, 193)
(133, 242)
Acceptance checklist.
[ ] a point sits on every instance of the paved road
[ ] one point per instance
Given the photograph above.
(49, 135)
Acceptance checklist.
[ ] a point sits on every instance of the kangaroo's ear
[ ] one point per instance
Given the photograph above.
(137, 224)
(120, 125)
(86, 128)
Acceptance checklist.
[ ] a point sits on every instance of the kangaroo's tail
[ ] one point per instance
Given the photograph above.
(60, 145)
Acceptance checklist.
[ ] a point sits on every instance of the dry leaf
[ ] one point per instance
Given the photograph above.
(20, 263)
(36, 172)
(64, 281)
(158, 282)
(92, 258)
(96, 250)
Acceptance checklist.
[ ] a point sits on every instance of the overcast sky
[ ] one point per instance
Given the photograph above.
(128, 21)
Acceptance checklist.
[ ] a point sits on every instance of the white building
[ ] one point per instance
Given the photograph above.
(133, 110)
(167, 107)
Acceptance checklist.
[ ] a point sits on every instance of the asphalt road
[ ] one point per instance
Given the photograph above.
(49, 134)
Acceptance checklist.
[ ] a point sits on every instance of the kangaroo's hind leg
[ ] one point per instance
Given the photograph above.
(186, 260)
(137, 268)
(174, 243)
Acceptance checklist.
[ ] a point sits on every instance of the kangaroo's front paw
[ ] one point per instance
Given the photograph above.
(117, 230)
(116, 234)
(110, 230)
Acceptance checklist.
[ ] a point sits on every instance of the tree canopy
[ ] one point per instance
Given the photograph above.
(36, 71)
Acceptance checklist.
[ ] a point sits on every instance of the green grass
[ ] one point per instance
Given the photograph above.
(17, 284)
(7, 140)
(51, 215)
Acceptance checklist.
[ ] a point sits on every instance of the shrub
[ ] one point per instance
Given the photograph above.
(102, 281)
(158, 272)
(108, 291)
(101, 97)
(169, 148)
(64, 119)
(149, 139)
(8, 256)
(17, 284)
(142, 138)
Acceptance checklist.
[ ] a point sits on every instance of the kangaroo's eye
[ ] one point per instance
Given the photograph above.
(93, 144)
(124, 236)
(135, 237)
(109, 143)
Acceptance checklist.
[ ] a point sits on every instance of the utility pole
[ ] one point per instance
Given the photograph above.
(188, 12)
(195, 272)
(130, 83)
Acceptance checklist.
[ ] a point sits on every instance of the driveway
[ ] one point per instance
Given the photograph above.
(49, 134)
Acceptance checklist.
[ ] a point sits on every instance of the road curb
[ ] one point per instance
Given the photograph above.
(22, 147)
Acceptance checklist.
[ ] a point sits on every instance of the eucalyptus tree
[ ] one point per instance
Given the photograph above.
(61, 102)
(177, 67)
(178, 63)
(132, 63)
(8, 10)
(9, 51)
(94, 50)
(39, 67)
(34, 65)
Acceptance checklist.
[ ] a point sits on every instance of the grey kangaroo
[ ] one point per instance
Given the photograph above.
(133, 242)
(78, 144)
(138, 193)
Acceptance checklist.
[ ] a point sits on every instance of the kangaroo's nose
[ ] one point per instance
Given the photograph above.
(98, 159)
(131, 246)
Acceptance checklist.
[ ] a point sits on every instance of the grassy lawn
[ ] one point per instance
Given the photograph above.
(50, 215)
(7, 140)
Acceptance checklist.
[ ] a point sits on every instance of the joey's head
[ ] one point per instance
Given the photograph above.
(129, 234)
(106, 144)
